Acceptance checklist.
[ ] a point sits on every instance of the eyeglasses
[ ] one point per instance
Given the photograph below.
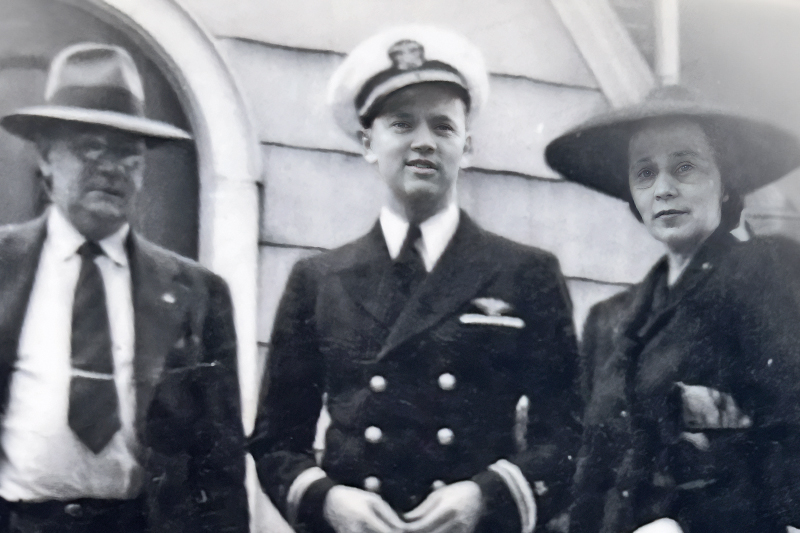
(95, 148)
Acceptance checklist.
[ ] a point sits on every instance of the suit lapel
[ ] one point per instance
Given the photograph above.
(158, 303)
(368, 282)
(19, 258)
(629, 344)
(638, 315)
(464, 268)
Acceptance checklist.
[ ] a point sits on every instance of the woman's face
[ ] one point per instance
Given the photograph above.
(675, 182)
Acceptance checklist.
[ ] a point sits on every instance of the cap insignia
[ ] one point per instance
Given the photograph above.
(407, 54)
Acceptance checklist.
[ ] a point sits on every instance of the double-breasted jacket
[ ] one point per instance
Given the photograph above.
(431, 397)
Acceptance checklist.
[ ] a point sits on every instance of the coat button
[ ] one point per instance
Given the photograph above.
(74, 510)
(447, 381)
(373, 434)
(623, 413)
(438, 484)
(625, 494)
(372, 484)
(445, 436)
(377, 384)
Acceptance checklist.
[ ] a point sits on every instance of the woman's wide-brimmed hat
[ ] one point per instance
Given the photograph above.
(750, 152)
(92, 84)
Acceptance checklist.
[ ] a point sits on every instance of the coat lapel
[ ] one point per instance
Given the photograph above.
(368, 281)
(19, 257)
(700, 267)
(639, 311)
(464, 268)
(628, 345)
(159, 301)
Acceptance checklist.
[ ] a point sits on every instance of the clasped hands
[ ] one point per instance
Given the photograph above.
(453, 508)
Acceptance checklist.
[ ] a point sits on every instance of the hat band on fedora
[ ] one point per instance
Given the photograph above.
(100, 98)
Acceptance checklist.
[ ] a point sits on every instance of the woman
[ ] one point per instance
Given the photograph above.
(691, 378)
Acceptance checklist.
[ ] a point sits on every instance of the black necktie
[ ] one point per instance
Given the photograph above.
(409, 271)
(93, 403)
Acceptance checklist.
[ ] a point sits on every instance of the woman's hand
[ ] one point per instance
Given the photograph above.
(708, 408)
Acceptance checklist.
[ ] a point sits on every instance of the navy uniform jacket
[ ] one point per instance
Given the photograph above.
(730, 329)
(187, 395)
(446, 410)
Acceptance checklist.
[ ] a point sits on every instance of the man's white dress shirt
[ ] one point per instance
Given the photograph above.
(437, 231)
(42, 459)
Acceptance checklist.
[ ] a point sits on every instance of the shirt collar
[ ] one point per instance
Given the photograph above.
(65, 239)
(437, 231)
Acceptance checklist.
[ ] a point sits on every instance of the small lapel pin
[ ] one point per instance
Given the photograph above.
(168, 297)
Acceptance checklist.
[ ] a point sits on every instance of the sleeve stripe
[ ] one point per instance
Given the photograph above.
(298, 489)
(520, 491)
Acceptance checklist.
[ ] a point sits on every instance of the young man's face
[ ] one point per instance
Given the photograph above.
(419, 141)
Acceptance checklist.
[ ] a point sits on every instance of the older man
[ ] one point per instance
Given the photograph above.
(423, 334)
(119, 399)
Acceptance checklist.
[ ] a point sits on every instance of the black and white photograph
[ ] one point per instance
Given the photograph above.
(418, 266)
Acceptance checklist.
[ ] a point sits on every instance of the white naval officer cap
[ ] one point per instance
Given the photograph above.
(399, 57)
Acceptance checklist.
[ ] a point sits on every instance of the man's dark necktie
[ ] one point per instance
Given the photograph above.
(93, 403)
(409, 271)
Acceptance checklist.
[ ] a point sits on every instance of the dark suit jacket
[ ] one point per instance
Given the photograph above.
(731, 324)
(331, 337)
(187, 394)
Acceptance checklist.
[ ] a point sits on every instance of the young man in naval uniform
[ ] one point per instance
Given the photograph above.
(423, 334)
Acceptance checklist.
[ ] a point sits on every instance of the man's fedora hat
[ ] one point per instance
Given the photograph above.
(92, 84)
(399, 57)
(750, 152)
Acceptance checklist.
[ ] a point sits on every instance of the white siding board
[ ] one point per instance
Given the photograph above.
(317, 199)
(520, 37)
(285, 90)
(324, 200)
(522, 117)
(275, 265)
(593, 235)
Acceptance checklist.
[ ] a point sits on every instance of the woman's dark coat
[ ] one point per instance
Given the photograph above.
(730, 327)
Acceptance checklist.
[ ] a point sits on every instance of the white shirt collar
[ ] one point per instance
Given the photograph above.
(66, 240)
(437, 231)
